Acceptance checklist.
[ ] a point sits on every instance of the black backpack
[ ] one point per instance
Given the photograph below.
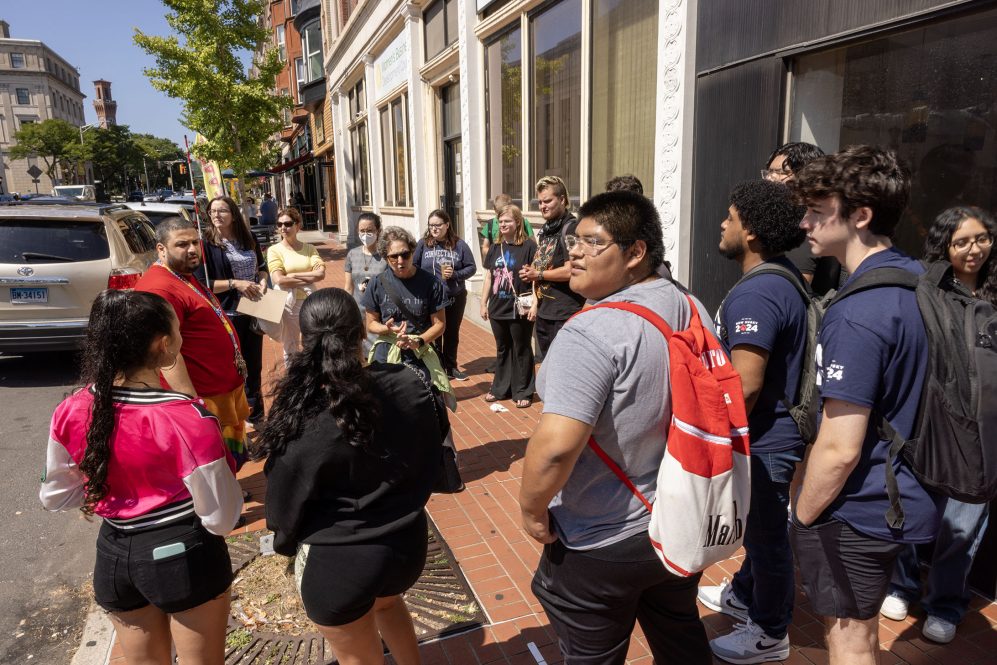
(805, 405)
(953, 448)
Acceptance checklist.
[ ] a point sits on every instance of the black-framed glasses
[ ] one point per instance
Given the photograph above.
(776, 175)
(982, 241)
(404, 256)
(590, 246)
(436, 226)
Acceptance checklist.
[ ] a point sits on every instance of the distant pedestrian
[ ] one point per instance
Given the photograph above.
(152, 464)
(872, 357)
(963, 236)
(445, 255)
(252, 210)
(294, 267)
(502, 296)
(268, 210)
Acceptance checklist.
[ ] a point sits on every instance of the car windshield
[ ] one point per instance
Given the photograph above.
(47, 240)
(69, 191)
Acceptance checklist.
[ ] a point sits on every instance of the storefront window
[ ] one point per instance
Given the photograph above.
(504, 116)
(624, 68)
(358, 144)
(928, 94)
(556, 54)
(394, 155)
(440, 24)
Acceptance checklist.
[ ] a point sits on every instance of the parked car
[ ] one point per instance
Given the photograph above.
(137, 195)
(158, 195)
(55, 259)
(78, 192)
(157, 212)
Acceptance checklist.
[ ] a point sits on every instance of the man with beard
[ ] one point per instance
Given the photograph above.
(763, 325)
(554, 301)
(210, 364)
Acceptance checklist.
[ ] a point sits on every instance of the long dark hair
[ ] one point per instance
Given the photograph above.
(936, 245)
(450, 239)
(123, 325)
(242, 233)
(326, 374)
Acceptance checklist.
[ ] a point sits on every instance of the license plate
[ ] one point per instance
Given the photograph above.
(28, 296)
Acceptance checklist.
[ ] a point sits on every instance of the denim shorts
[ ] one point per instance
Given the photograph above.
(126, 577)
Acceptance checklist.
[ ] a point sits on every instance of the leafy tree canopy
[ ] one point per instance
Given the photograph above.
(48, 140)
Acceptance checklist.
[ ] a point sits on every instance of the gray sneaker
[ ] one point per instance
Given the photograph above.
(722, 599)
(748, 643)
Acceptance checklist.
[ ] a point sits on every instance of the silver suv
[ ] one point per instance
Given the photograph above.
(55, 259)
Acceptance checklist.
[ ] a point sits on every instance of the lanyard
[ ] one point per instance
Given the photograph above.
(216, 307)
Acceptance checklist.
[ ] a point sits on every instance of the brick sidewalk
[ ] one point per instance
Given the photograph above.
(481, 525)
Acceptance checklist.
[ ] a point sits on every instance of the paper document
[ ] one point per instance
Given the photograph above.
(269, 307)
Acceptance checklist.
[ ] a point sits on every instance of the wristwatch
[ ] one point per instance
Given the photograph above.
(422, 342)
(541, 275)
(231, 285)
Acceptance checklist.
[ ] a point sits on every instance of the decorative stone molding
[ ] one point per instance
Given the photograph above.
(467, 41)
(410, 12)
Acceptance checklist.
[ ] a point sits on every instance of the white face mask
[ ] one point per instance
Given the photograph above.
(367, 238)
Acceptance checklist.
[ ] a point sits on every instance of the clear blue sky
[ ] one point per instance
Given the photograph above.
(96, 37)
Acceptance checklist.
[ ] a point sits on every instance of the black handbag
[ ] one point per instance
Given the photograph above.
(448, 480)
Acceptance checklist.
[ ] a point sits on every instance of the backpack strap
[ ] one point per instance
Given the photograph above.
(395, 299)
(895, 513)
(876, 278)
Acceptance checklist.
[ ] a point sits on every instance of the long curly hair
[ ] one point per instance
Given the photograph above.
(123, 326)
(936, 245)
(327, 374)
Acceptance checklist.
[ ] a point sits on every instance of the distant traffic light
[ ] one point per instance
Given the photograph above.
(183, 169)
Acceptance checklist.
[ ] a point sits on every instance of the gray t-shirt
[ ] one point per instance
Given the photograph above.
(363, 267)
(609, 369)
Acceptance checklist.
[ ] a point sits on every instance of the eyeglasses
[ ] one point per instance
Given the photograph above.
(286, 225)
(436, 226)
(590, 246)
(404, 256)
(982, 241)
(775, 174)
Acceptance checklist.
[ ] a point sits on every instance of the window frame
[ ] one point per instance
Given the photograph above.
(448, 40)
(310, 30)
(27, 95)
(23, 59)
(280, 38)
(359, 144)
(389, 152)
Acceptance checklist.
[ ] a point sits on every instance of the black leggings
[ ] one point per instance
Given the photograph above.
(252, 350)
(513, 358)
(446, 345)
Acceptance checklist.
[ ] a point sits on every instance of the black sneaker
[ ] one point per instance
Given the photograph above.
(457, 375)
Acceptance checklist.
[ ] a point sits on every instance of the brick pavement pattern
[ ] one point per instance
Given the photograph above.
(482, 527)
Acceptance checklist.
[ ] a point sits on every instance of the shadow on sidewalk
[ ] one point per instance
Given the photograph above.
(485, 459)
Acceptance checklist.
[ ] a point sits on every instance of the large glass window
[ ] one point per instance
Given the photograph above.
(313, 51)
(926, 93)
(281, 42)
(394, 154)
(17, 60)
(440, 25)
(624, 68)
(299, 75)
(556, 53)
(23, 96)
(358, 144)
(504, 116)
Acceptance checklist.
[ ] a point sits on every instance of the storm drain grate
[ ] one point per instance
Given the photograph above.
(441, 602)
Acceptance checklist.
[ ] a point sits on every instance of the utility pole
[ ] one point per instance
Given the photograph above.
(146, 169)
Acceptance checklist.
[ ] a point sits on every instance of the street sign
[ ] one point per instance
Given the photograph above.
(34, 171)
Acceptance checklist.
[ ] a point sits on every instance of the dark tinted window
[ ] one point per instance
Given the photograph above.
(157, 217)
(134, 240)
(51, 240)
(145, 232)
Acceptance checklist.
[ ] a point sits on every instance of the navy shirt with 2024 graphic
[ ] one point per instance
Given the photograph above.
(768, 312)
(872, 351)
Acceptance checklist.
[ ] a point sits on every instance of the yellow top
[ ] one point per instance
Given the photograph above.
(290, 261)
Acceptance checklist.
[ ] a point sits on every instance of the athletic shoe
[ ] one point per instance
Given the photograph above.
(722, 599)
(938, 630)
(457, 375)
(894, 607)
(748, 643)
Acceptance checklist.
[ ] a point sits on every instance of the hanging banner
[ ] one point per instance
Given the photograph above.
(213, 185)
(391, 68)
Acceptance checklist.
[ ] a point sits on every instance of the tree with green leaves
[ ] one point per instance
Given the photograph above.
(159, 157)
(232, 105)
(48, 140)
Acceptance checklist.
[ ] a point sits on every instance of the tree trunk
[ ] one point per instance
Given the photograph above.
(240, 177)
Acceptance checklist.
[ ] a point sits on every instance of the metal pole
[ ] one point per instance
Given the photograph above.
(146, 169)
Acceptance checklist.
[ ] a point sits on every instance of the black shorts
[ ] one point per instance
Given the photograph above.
(339, 583)
(845, 574)
(126, 577)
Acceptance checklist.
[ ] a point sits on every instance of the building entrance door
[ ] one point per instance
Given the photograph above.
(452, 198)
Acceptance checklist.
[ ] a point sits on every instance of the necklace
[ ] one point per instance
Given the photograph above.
(364, 255)
(216, 307)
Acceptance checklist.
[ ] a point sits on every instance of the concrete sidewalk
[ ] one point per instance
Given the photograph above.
(482, 527)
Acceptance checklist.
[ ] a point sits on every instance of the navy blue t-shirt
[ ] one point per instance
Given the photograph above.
(422, 294)
(768, 312)
(872, 351)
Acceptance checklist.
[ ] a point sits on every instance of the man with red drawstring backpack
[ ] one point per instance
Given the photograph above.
(592, 466)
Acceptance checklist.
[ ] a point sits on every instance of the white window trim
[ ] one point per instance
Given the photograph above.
(389, 165)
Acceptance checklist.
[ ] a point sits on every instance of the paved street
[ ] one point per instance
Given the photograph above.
(47, 558)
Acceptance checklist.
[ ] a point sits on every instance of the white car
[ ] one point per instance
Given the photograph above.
(157, 212)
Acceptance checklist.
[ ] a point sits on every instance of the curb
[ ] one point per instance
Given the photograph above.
(97, 640)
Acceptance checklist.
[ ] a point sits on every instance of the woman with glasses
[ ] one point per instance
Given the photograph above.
(964, 237)
(234, 268)
(449, 258)
(509, 315)
(352, 454)
(294, 267)
(405, 309)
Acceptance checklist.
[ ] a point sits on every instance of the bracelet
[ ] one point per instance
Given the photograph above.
(231, 285)
(541, 275)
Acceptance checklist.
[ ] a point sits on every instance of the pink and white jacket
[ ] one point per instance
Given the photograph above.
(167, 461)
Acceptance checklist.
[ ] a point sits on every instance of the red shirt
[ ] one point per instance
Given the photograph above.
(207, 348)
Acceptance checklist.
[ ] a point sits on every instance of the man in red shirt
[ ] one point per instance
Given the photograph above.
(210, 364)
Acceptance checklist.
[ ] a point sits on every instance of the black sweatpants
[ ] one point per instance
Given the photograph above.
(251, 344)
(446, 345)
(546, 331)
(513, 358)
(594, 597)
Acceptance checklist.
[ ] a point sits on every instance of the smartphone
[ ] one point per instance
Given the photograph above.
(164, 551)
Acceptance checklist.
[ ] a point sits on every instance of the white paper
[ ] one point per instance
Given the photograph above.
(270, 306)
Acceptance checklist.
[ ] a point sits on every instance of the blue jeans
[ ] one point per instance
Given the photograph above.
(959, 536)
(765, 581)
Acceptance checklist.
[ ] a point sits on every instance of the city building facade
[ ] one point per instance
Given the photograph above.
(36, 84)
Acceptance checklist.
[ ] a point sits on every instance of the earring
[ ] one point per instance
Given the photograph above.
(175, 356)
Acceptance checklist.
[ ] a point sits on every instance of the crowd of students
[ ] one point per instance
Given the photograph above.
(358, 427)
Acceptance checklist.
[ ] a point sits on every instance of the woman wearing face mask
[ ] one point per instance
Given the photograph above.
(964, 237)
(364, 263)
(446, 256)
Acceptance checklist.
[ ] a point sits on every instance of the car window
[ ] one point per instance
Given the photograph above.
(145, 231)
(48, 240)
(132, 237)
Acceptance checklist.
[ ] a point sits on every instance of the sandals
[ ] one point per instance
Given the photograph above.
(490, 398)
(524, 403)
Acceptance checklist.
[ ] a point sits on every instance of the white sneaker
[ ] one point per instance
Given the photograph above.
(938, 630)
(894, 607)
(722, 599)
(748, 643)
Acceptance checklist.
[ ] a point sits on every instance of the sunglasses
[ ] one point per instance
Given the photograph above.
(404, 256)
(286, 225)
